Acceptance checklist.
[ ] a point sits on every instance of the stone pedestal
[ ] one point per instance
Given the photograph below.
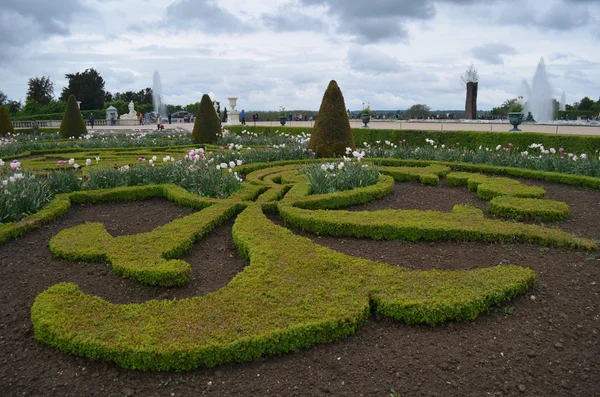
(471, 104)
(233, 118)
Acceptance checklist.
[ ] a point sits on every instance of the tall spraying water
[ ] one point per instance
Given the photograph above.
(157, 99)
(539, 100)
(563, 101)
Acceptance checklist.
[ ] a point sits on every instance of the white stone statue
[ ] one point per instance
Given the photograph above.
(132, 115)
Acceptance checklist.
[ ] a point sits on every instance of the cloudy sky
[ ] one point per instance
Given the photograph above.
(391, 53)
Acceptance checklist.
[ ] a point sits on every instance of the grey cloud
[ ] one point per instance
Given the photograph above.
(204, 15)
(24, 21)
(282, 21)
(379, 20)
(372, 61)
(561, 16)
(560, 55)
(492, 53)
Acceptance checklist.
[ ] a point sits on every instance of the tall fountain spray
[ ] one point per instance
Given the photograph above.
(157, 99)
(563, 101)
(539, 100)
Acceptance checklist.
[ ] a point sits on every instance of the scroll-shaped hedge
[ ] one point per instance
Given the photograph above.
(489, 187)
(462, 224)
(293, 294)
(529, 209)
(146, 257)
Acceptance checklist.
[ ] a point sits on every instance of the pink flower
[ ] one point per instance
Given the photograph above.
(510, 144)
(561, 150)
(221, 148)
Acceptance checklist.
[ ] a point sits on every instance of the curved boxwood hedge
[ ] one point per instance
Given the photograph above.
(294, 294)
(146, 257)
(529, 209)
(462, 224)
(487, 188)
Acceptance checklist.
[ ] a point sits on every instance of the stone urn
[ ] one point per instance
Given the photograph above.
(232, 103)
(515, 119)
(365, 119)
(282, 120)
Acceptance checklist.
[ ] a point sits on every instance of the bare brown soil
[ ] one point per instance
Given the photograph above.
(544, 343)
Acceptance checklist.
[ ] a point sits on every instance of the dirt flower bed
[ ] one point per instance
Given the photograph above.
(544, 343)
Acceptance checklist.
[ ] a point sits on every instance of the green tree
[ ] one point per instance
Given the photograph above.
(207, 125)
(418, 110)
(12, 107)
(108, 97)
(88, 87)
(3, 98)
(586, 104)
(6, 125)
(332, 133)
(72, 123)
(41, 90)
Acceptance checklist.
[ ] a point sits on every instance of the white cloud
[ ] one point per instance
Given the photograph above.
(392, 53)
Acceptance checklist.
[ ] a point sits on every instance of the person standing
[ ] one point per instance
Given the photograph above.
(158, 121)
(147, 118)
(92, 119)
(169, 117)
(243, 117)
(141, 118)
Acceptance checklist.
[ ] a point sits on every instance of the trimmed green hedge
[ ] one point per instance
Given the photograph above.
(462, 224)
(488, 188)
(467, 139)
(429, 175)
(529, 209)
(146, 257)
(293, 295)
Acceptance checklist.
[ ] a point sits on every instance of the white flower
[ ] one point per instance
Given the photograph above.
(18, 176)
(232, 164)
(151, 161)
(153, 158)
(331, 166)
(583, 156)
(552, 150)
(218, 167)
(230, 170)
(340, 166)
(223, 165)
(11, 179)
(88, 162)
(498, 147)
(240, 162)
(525, 153)
(5, 182)
(76, 166)
(443, 146)
(323, 167)
(348, 150)
(71, 161)
(1, 163)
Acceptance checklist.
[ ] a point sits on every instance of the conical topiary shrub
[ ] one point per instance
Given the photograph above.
(207, 125)
(332, 134)
(72, 123)
(6, 125)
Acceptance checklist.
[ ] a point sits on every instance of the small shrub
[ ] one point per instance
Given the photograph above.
(22, 194)
(72, 124)
(207, 126)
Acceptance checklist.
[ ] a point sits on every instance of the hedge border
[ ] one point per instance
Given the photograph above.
(529, 209)
(149, 258)
(253, 316)
(467, 139)
(489, 188)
